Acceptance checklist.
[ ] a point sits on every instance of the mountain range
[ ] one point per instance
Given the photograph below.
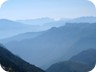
(10, 28)
(89, 19)
(62, 43)
(38, 21)
(54, 45)
(82, 62)
(20, 37)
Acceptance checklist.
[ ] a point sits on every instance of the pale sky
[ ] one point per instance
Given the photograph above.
(31, 9)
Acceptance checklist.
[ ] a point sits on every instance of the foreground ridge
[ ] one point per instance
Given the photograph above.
(12, 63)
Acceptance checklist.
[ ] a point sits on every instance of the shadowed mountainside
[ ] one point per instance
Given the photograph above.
(14, 63)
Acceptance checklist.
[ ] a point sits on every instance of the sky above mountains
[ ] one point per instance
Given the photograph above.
(31, 9)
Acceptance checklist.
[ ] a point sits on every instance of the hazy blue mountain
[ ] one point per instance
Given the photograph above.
(68, 66)
(86, 41)
(11, 25)
(4, 24)
(21, 36)
(82, 62)
(87, 57)
(39, 21)
(56, 44)
(84, 36)
(53, 41)
(58, 23)
(83, 20)
(14, 63)
(10, 28)
(62, 22)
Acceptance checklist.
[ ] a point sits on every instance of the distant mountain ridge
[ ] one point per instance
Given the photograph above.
(8, 24)
(10, 28)
(38, 21)
(89, 19)
(21, 37)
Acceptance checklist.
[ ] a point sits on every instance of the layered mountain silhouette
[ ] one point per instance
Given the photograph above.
(68, 66)
(21, 37)
(8, 24)
(82, 62)
(87, 57)
(10, 28)
(56, 44)
(13, 63)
